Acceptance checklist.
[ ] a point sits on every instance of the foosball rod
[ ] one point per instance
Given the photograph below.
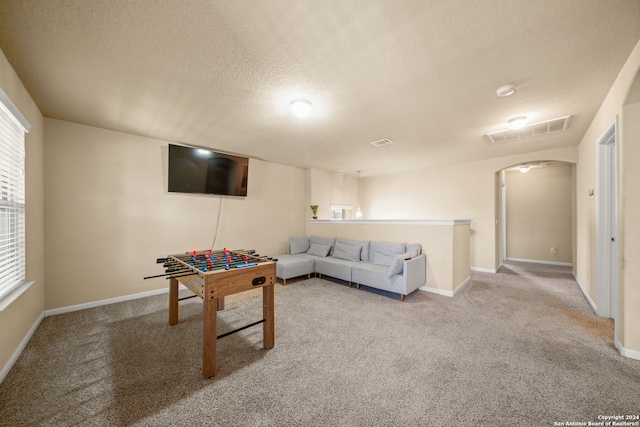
(188, 257)
(211, 252)
(190, 254)
(252, 252)
(172, 266)
(183, 275)
(186, 270)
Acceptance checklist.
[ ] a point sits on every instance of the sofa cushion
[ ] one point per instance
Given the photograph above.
(319, 250)
(289, 266)
(398, 262)
(322, 241)
(364, 245)
(298, 245)
(375, 276)
(348, 252)
(334, 267)
(414, 248)
(385, 248)
(411, 253)
(380, 258)
(396, 266)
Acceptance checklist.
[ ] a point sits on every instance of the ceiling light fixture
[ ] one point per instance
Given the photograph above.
(506, 90)
(517, 123)
(524, 168)
(300, 107)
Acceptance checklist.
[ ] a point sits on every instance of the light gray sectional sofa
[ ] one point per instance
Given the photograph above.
(394, 267)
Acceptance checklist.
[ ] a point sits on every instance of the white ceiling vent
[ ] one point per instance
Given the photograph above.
(381, 142)
(534, 129)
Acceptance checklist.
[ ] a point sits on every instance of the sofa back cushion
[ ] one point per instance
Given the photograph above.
(298, 245)
(384, 253)
(397, 265)
(348, 252)
(380, 258)
(364, 246)
(319, 250)
(414, 249)
(322, 241)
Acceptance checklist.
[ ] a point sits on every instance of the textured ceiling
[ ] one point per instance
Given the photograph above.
(423, 73)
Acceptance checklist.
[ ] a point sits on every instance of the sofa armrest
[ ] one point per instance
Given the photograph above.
(414, 273)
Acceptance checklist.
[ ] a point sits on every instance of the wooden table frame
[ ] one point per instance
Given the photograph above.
(212, 287)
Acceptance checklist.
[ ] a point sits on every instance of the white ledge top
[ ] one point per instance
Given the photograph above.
(394, 221)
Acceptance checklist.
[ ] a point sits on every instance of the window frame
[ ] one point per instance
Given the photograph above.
(11, 116)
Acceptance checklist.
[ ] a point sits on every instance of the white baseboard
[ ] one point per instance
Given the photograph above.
(93, 304)
(461, 286)
(626, 352)
(14, 357)
(436, 291)
(535, 261)
(485, 270)
(447, 293)
(585, 293)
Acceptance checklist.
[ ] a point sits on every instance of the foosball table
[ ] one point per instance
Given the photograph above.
(213, 275)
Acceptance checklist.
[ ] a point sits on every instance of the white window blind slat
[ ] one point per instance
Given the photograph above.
(12, 196)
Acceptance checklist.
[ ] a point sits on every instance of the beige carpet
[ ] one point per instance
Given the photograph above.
(517, 348)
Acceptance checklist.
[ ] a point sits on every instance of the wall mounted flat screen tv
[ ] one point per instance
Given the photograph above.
(195, 170)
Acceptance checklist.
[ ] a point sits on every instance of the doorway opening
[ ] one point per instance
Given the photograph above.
(536, 213)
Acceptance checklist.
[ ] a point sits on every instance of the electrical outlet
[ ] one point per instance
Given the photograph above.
(553, 250)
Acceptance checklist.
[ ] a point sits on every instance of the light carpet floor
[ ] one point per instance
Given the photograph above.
(518, 348)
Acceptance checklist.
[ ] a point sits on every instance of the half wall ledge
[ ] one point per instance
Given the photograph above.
(394, 221)
(445, 242)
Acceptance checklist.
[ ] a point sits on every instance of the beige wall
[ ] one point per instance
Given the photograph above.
(461, 191)
(109, 215)
(461, 255)
(23, 313)
(630, 226)
(330, 188)
(628, 202)
(539, 207)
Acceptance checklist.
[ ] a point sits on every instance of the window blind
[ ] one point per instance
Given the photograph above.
(12, 196)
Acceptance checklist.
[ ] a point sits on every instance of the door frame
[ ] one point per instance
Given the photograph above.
(607, 298)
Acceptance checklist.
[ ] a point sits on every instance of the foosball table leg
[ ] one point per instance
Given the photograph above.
(210, 315)
(268, 311)
(173, 302)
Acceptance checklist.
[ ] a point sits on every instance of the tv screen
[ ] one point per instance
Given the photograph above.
(195, 170)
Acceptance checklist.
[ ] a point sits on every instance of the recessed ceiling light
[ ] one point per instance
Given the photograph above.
(506, 90)
(517, 123)
(300, 107)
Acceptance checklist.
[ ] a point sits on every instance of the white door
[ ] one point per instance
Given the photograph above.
(607, 225)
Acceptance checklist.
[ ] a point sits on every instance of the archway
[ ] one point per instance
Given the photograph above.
(535, 212)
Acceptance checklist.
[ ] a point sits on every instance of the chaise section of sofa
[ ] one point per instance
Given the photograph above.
(298, 262)
(393, 267)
